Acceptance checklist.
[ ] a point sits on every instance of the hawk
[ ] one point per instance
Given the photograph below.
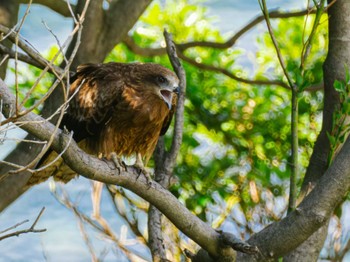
(115, 108)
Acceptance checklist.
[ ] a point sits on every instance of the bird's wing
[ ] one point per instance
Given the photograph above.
(96, 89)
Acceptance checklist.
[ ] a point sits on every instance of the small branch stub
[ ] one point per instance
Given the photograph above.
(228, 239)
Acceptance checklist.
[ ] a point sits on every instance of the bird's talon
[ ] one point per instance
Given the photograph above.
(142, 170)
(118, 163)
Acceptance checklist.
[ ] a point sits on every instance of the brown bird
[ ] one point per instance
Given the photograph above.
(116, 109)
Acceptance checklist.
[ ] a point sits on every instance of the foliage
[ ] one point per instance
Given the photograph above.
(340, 126)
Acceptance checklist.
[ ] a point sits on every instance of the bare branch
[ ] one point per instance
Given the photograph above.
(32, 228)
(97, 222)
(165, 161)
(149, 51)
(27, 59)
(24, 46)
(179, 114)
(115, 194)
(294, 113)
(128, 41)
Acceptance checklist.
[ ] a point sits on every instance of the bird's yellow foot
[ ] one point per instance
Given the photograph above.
(142, 169)
(118, 163)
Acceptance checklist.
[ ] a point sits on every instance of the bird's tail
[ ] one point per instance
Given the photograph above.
(51, 165)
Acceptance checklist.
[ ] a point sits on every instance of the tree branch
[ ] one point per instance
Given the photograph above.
(229, 74)
(29, 60)
(128, 41)
(294, 114)
(179, 114)
(59, 6)
(34, 54)
(32, 228)
(165, 161)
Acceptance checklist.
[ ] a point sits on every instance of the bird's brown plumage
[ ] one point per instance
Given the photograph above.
(116, 107)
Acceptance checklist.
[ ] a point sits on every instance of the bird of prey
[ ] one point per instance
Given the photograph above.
(115, 109)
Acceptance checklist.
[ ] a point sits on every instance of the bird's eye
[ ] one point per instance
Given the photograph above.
(161, 79)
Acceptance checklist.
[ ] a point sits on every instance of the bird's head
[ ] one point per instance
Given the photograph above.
(160, 81)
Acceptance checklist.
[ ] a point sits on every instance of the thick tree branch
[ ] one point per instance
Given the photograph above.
(310, 215)
(333, 69)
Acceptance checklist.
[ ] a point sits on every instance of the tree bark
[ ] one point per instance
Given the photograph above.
(8, 17)
(102, 30)
(333, 69)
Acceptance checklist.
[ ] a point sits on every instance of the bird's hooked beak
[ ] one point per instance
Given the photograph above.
(167, 95)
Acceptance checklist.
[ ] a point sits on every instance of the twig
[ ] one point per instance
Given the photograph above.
(29, 60)
(14, 226)
(26, 47)
(307, 45)
(294, 114)
(231, 75)
(32, 228)
(115, 193)
(97, 222)
(43, 61)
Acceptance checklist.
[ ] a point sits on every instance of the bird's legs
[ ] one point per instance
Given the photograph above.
(141, 167)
